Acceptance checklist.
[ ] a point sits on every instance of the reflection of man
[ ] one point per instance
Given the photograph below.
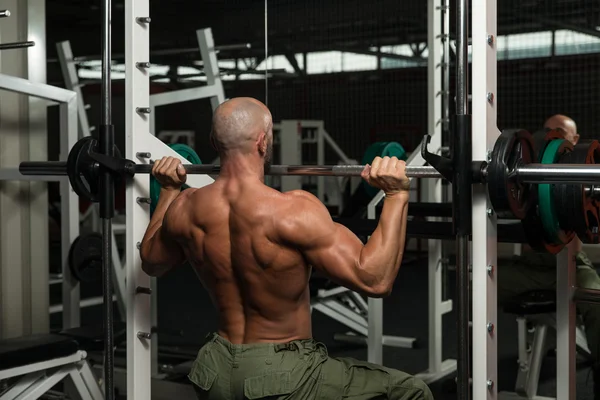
(535, 271)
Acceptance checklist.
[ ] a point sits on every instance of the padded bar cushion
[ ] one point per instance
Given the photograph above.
(91, 338)
(32, 349)
(533, 302)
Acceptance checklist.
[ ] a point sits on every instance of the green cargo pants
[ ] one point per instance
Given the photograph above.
(300, 369)
(537, 271)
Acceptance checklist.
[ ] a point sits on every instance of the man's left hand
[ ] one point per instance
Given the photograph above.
(169, 172)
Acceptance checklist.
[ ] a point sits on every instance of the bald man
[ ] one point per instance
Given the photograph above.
(253, 249)
(537, 271)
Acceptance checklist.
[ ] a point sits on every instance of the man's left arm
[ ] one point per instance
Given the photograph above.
(159, 250)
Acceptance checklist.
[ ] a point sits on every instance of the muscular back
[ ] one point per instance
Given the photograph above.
(230, 234)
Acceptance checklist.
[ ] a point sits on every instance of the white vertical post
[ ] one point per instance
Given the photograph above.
(38, 150)
(211, 66)
(137, 94)
(565, 325)
(375, 329)
(433, 186)
(67, 65)
(290, 152)
(69, 204)
(485, 133)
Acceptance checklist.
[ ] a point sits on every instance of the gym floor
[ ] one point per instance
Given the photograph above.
(184, 306)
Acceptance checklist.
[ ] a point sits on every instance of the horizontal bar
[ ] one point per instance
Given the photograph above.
(168, 52)
(42, 168)
(532, 173)
(4, 13)
(16, 45)
(559, 173)
(60, 168)
(586, 295)
(312, 170)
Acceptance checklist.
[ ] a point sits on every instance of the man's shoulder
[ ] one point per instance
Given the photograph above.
(301, 196)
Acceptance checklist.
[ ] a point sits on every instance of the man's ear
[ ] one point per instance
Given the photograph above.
(576, 138)
(261, 143)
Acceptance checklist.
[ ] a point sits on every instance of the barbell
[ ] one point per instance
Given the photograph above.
(517, 163)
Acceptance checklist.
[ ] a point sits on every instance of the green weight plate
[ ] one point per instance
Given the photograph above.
(547, 207)
(381, 149)
(186, 152)
(542, 138)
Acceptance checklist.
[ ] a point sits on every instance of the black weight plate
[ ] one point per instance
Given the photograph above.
(510, 198)
(534, 231)
(85, 258)
(578, 209)
(81, 169)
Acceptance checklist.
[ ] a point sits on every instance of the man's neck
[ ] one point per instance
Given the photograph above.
(240, 166)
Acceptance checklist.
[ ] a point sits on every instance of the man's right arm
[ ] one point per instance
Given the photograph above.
(339, 254)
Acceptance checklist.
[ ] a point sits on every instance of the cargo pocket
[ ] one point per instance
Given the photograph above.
(202, 376)
(363, 378)
(268, 385)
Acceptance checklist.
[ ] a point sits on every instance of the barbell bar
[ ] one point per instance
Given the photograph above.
(531, 173)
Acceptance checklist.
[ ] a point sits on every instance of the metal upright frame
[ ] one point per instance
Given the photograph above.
(438, 368)
(67, 101)
(69, 71)
(437, 66)
(213, 90)
(484, 249)
(139, 139)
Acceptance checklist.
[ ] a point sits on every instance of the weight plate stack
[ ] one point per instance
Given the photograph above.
(186, 152)
(510, 198)
(578, 208)
(85, 258)
(547, 207)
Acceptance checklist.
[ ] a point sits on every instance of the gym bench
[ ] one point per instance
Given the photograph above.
(32, 365)
(535, 311)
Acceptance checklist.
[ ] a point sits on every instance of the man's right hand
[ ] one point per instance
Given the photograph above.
(387, 174)
(169, 172)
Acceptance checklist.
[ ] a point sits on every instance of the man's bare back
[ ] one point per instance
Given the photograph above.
(258, 284)
(253, 249)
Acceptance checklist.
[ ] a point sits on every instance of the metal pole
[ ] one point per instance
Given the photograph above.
(462, 57)
(462, 198)
(107, 206)
(565, 173)
(17, 45)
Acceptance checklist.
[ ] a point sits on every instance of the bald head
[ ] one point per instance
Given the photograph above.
(564, 124)
(242, 125)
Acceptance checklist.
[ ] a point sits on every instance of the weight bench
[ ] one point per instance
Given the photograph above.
(31, 365)
(535, 312)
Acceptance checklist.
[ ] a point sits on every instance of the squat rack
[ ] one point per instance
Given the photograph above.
(478, 219)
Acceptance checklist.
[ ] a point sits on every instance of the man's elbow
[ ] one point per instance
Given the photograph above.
(380, 290)
(152, 270)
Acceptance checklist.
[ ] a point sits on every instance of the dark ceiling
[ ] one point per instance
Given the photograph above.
(295, 26)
